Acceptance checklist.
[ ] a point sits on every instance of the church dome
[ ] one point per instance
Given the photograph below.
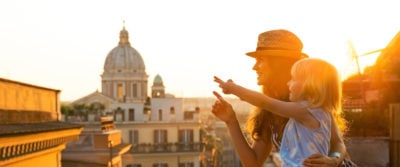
(124, 58)
(158, 79)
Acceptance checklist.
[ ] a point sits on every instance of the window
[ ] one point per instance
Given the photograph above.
(185, 135)
(160, 115)
(133, 136)
(134, 90)
(160, 140)
(160, 136)
(119, 114)
(120, 91)
(131, 114)
(185, 139)
(186, 164)
(160, 165)
(172, 110)
(188, 115)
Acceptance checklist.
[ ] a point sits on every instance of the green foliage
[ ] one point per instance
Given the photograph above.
(67, 109)
(96, 107)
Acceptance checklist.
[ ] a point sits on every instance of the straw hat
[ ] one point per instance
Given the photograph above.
(278, 43)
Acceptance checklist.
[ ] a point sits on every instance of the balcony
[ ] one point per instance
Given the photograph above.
(166, 147)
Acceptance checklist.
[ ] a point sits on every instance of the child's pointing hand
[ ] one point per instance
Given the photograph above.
(225, 86)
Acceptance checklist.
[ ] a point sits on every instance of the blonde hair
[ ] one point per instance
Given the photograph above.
(321, 87)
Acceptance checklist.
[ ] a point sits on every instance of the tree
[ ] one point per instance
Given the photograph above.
(67, 109)
(96, 107)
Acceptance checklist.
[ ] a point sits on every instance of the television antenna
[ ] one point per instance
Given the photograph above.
(356, 57)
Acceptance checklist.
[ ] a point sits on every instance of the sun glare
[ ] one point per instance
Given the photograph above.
(177, 38)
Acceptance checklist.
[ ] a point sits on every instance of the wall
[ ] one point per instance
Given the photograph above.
(45, 160)
(369, 151)
(24, 103)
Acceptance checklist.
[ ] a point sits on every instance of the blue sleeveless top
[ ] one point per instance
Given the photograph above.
(299, 142)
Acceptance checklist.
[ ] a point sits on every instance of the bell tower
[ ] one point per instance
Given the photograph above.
(158, 89)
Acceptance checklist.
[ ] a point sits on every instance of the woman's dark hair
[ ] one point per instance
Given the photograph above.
(262, 122)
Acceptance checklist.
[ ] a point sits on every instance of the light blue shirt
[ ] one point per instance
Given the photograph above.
(299, 142)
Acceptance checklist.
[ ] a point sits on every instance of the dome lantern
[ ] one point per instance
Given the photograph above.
(124, 37)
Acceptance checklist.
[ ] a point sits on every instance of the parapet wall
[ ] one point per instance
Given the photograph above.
(25, 103)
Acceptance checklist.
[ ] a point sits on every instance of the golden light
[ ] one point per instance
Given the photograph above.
(361, 61)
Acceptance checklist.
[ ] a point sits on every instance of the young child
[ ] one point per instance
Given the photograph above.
(314, 110)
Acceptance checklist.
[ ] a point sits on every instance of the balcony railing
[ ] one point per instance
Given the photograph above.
(91, 119)
(166, 147)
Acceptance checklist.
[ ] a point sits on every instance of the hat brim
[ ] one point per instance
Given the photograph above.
(277, 53)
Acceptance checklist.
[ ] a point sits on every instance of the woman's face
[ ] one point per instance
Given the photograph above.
(263, 71)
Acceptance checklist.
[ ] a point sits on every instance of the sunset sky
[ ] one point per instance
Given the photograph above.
(62, 44)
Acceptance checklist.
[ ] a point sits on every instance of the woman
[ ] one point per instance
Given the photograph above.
(277, 51)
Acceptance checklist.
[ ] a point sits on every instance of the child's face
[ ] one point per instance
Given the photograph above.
(295, 85)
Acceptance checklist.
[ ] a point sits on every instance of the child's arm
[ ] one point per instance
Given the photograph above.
(281, 108)
(337, 143)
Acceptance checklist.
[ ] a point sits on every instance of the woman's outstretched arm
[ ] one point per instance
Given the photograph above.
(253, 156)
